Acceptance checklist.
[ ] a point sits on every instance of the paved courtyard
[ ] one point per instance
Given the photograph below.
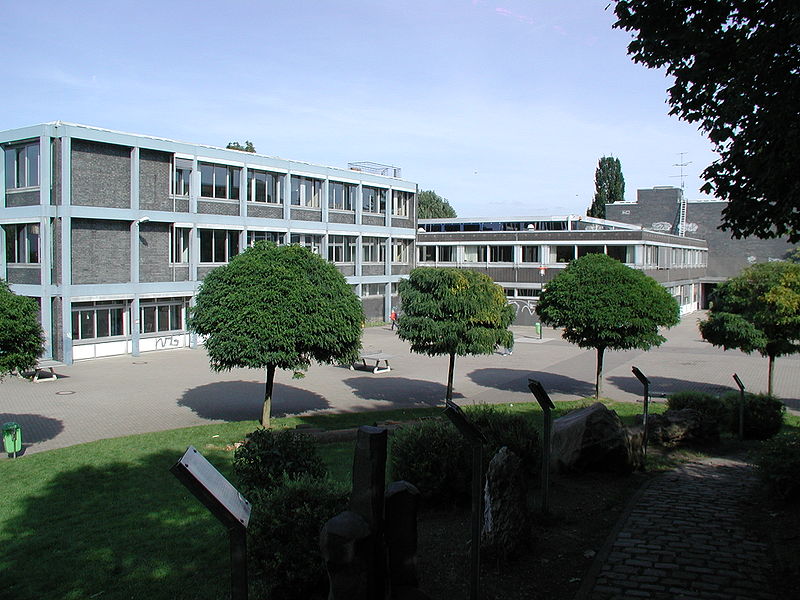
(164, 390)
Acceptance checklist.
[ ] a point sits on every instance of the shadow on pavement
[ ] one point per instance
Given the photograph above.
(400, 390)
(34, 428)
(516, 380)
(664, 386)
(243, 400)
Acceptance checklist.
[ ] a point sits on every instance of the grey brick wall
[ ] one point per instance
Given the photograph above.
(373, 308)
(56, 271)
(266, 211)
(154, 252)
(373, 269)
(340, 217)
(346, 270)
(402, 222)
(210, 207)
(101, 174)
(55, 157)
(154, 173)
(398, 269)
(57, 329)
(301, 214)
(372, 220)
(24, 275)
(101, 251)
(30, 198)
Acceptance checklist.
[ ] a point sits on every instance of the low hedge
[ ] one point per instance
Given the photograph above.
(778, 464)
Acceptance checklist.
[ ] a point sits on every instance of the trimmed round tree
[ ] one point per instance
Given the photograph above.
(277, 307)
(454, 312)
(758, 310)
(602, 304)
(21, 336)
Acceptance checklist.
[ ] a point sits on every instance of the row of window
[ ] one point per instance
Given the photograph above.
(93, 320)
(527, 254)
(22, 166)
(222, 182)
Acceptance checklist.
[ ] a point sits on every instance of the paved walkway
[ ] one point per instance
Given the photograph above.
(682, 538)
(162, 390)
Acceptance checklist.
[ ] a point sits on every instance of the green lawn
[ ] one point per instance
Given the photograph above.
(107, 519)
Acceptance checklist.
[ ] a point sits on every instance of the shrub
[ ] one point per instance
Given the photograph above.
(267, 455)
(778, 464)
(763, 415)
(707, 405)
(283, 546)
(434, 456)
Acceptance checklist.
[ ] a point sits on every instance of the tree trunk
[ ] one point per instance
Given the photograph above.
(771, 372)
(450, 376)
(267, 408)
(598, 382)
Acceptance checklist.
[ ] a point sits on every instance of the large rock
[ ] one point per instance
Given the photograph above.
(681, 427)
(593, 438)
(506, 526)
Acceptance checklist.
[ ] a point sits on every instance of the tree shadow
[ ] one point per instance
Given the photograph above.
(120, 529)
(34, 428)
(401, 391)
(516, 380)
(664, 386)
(243, 400)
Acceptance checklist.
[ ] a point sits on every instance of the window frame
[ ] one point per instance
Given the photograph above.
(18, 159)
(302, 196)
(229, 246)
(227, 189)
(92, 309)
(20, 244)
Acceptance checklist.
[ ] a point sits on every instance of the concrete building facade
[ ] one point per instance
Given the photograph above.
(113, 232)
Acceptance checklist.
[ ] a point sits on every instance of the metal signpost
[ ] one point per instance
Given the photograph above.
(547, 405)
(646, 383)
(741, 405)
(476, 440)
(225, 503)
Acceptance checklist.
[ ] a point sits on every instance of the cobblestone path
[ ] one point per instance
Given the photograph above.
(684, 539)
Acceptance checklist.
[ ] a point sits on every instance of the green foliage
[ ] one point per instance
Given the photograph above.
(431, 205)
(21, 335)
(248, 146)
(609, 185)
(758, 310)
(448, 310)
(763, 414)
(277, 307)
(267, 457)
(793, 255)
(434, 456)
(283, 537)
(601, 303)
(707, 405)
(778, 464)
(734, 64)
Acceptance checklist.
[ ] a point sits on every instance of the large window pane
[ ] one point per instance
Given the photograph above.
(32, 159)
(530, 254)
(206, 181)
(220, 182)
(219, 246)
(103, 322)
(11, 168)
(206, 246)
(87, 324)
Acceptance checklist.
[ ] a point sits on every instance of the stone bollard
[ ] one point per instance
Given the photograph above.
(506, 526)
(343, 543)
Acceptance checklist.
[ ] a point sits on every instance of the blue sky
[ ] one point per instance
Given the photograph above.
(504, 107)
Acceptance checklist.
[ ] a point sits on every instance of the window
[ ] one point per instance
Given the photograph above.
(341, 249)
(584, 250)
(218, 245)
(501, 254)
(180, 245)
(400, 251)
(22, 243)
(373, 200)
(530, 254)
(182, 177)
(623, 254)
(475, 254)
(162, 314)
(22, 166)
(263, 186)
(527, 292)
(373, 250)
(342, 196)
(426, 253)
(306, 191)
(447, 254)
(92, 320)
(400, 203)
(562, 254)
(372, 289)
(312, 242)
(276, 237)
(219, 182)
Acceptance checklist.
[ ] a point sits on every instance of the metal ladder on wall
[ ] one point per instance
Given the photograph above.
(682, 216)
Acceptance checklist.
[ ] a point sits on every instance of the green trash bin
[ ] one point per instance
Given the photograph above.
(538, 327)
(12, 438)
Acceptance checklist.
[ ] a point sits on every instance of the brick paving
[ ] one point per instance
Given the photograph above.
(682, 538)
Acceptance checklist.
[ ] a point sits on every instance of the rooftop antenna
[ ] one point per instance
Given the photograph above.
(682, 164)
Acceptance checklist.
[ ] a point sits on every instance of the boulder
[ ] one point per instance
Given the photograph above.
(594, 438)
(506, 525)
(681, 427)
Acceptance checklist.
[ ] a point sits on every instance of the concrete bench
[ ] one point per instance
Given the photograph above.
(44, 370)
(375, 359)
